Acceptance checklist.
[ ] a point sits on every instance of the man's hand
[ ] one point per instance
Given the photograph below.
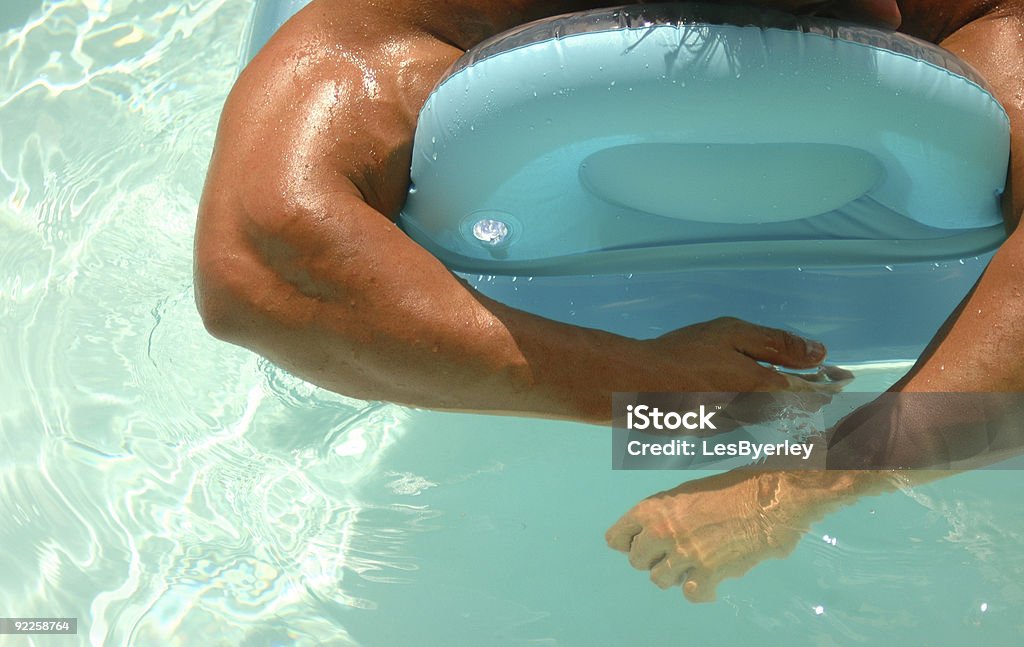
(724, 355)
(706, 530)
(718, 527)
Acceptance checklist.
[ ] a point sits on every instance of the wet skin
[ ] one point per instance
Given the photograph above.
(297, 258)
(704, 531)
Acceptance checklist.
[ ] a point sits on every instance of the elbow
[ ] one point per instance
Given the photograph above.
(222, 284)
(214, 303)
(217, 320)
(225, 272)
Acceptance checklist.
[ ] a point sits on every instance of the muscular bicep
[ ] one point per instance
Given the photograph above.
(316, 129)
(994, 45)
(330, 106)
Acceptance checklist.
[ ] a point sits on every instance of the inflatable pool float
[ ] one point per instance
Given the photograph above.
(644, 167)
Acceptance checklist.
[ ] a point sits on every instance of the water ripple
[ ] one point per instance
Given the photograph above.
(164, 487)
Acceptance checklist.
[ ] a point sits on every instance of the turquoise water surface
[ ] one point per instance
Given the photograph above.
(168, 489)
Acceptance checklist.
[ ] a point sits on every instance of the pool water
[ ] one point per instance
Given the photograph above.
(166, 488)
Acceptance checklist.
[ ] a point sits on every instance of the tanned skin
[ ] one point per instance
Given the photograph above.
(298, 258)
(704, 531)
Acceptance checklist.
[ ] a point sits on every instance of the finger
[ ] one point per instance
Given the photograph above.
(645, 553)
(768, 379)
(828, 373)
(801, 384)
(776, 346)
(700, 586)
(670, 571)
(620, 536)
(825, 383)
(837, 374)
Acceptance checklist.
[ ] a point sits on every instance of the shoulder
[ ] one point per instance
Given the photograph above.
(461, 23)
(936, 20)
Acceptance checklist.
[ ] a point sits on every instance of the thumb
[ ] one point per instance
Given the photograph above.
(699, 586)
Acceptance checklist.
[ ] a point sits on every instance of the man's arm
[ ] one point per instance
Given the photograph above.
(981, 346)
(298, 257)
(977, 357)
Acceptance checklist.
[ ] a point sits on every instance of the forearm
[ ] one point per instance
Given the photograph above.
(298, 257)
(816, 494)
(794, 500)
(980, 346)
(296, 254)
(348, 302)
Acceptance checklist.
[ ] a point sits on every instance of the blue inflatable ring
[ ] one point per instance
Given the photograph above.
(676, 136)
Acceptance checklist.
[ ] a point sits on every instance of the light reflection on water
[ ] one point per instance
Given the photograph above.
(155, 481)
(164, 487)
